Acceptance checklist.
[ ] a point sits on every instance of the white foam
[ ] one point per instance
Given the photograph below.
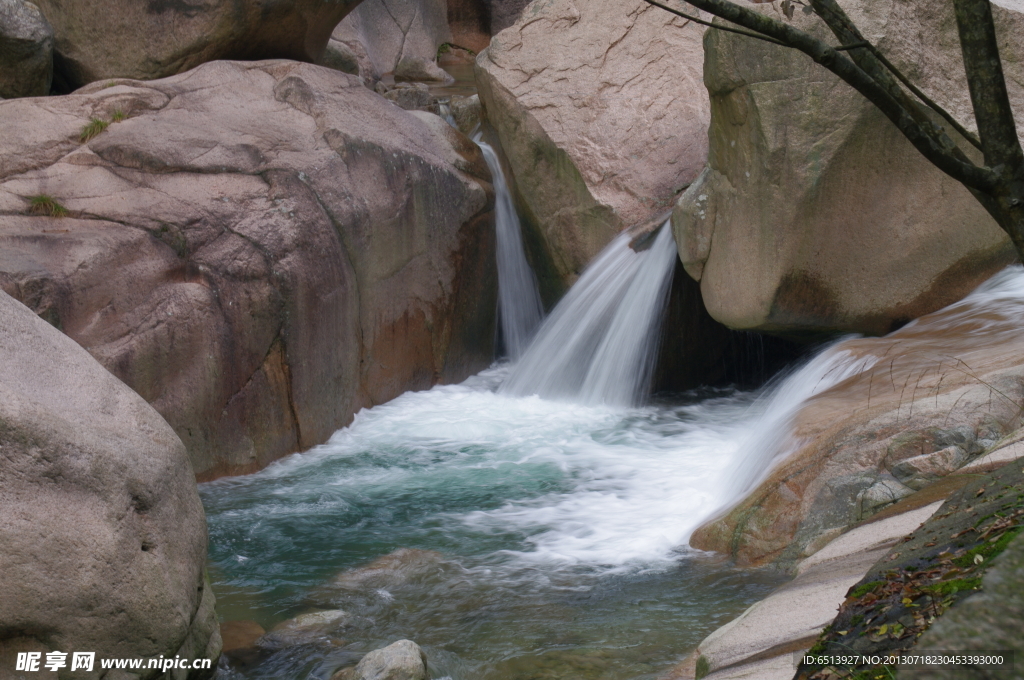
(599, 344)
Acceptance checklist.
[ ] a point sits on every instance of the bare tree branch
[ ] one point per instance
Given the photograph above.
(948, 117)
(845, 30)
(922, 134)
(728, 29)
(988, 87)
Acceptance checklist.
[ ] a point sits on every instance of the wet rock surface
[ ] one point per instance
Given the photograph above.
(402, 660)
(259, 249)
(940, 393)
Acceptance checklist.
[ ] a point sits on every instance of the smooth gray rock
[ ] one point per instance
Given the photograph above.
(920, 471)
(420, 69)
(104, 39)
(402, 660)
(26, 50)
(388, 30)
(102, 534)
(341, 57)
(815, 214)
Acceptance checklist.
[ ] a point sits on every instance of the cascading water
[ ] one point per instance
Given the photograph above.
(559, 525)
(600, 342)
(519, 304)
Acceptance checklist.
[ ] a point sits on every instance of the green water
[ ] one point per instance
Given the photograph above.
(556, 537)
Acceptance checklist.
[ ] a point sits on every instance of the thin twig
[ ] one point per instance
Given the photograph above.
(948, 117)
(720, 27)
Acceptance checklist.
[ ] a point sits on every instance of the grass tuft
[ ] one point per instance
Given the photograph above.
(46, 206)
(118, 116)
(703, 667)
(92, 128)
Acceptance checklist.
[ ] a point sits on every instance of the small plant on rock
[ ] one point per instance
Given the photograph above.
(46, 206)
(92, 128)
(118, 116)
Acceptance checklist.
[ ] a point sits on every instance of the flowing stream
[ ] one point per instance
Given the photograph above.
(531, 522)
(549, 534)
(559, 531)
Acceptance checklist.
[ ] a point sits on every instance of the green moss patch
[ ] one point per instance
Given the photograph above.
(939, 565)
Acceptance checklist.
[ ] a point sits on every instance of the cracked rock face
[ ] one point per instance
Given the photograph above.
(384, 32)
(134, 39)
(26, 50)
(258, 249)
(602, 113)
(815, 214)
(102, 534)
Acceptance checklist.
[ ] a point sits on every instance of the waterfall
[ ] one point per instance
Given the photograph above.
(600, 342)
(519, 307)
(770, 438)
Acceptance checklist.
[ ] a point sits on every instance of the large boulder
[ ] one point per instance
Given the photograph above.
(917, 404)
(388, 31)
(102, 534)
(602, 114)
(157, 38)
(815, 213)
(26, 50)
(258, 249)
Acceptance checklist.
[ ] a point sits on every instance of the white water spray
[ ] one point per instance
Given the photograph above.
(519, 305)
(600, 343)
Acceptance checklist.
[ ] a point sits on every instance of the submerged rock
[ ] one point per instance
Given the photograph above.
(815, 214)
(308, 627)
(602, 114)
(238, 635)
(26, 50)
(102, 534)
(146, 40)
(391, 570)
(258, 249)
(402, 660)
